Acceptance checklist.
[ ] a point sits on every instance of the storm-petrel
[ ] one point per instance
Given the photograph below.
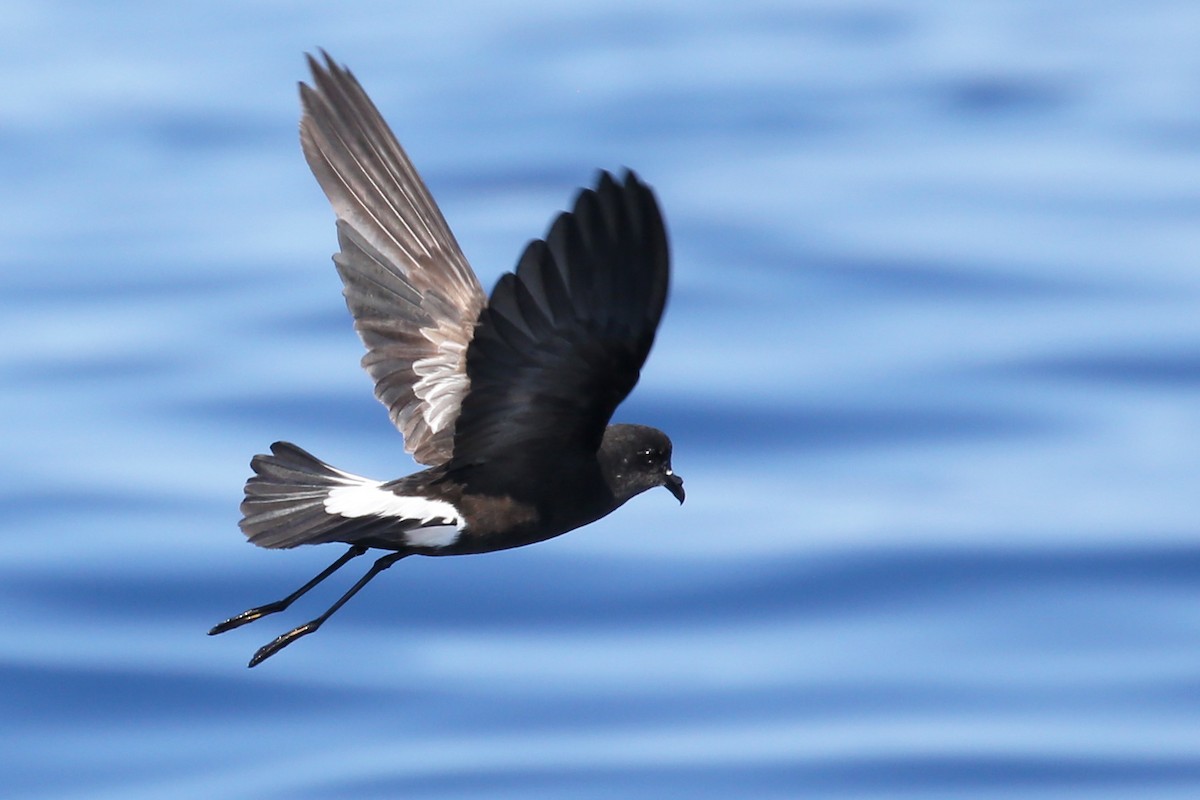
(507, 400)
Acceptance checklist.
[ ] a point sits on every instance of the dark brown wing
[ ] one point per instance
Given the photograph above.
(413, 296)
(562, 341)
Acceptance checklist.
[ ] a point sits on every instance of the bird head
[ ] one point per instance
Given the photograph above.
(636, 458)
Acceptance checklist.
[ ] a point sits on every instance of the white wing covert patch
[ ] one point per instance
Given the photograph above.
(441, 382)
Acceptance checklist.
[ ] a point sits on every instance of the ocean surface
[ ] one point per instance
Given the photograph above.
(931, 365)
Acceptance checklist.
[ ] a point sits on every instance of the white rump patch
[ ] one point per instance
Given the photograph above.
(438, 522)
(432, 536)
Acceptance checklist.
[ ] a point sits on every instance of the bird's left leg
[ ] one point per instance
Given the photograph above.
(268, 650)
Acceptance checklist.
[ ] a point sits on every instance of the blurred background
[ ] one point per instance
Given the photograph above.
(931, 365)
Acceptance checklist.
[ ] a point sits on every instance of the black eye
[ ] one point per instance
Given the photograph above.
(648, 458)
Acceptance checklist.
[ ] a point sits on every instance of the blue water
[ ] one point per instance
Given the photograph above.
(931, 365)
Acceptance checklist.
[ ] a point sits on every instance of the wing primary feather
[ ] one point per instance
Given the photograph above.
(413, 296)
(358, 142)
(563, 340)
(407, 180)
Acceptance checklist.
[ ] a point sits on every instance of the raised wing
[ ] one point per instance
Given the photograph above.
(563, 339)
(413, 296)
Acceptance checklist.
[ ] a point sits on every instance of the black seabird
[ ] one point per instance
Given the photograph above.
(507, 400)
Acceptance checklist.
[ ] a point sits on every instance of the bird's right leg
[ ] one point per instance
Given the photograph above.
(280, 642)
(252, 614)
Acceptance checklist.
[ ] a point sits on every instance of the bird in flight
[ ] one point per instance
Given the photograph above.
(506, 400)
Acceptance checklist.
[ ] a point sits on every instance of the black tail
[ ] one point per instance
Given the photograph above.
(285, 500)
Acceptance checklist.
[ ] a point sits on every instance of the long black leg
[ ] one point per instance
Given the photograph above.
(279, 605)
(268, 650)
